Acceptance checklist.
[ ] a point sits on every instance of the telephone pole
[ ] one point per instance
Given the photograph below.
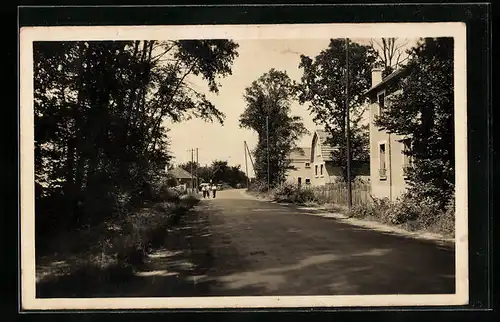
(192, 176)
(268, 167)
(246, 163)
(197, 165)
(348, 128)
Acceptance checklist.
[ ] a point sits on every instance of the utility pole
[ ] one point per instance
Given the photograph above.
(250, 156)
(192, 176)
(348, 128)
(246, 164)
(197, 165)
(268, 167)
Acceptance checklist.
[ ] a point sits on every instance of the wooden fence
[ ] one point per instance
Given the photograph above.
(337, 193)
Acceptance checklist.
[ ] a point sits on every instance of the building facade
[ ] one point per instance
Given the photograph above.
(300, 164)
(314, 165)
(387, 160)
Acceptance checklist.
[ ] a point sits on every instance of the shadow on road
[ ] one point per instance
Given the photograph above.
(217, 250)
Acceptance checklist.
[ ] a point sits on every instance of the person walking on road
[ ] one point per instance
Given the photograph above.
(214, 190)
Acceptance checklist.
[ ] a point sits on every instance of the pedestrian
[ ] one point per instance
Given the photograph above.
(214, 190)
(205, 191)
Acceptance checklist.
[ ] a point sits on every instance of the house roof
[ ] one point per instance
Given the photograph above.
(395, 75)
(326, 149)
(300, 154)
(180, 173)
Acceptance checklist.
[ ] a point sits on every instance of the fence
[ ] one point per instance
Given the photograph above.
(337, 193)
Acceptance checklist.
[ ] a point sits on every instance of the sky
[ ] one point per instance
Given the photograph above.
(226, 142)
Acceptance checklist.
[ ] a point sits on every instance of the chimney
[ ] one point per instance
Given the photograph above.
(376, 76)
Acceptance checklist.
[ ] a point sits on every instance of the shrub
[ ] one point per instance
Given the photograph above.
(285, 192)
(169, 194)
(305, 195)
(361, 211)
(258, 186)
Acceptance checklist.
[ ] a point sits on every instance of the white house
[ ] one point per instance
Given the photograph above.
(300, 163)
(387, 160)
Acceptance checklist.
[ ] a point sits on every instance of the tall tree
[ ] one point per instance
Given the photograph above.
(391, 52)
(99, 112)
(423, 111)
(270, 97)
(323, 87)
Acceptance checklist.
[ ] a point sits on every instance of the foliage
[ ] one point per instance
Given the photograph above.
(323, 86)
(290, 192)
(99, 109)
(411, 212)
(219, 171)
(424, 112)
(259, 186)
(269, 98)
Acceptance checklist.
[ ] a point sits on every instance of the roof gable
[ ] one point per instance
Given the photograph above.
(321, 136)
(180, 173)
(300, 154)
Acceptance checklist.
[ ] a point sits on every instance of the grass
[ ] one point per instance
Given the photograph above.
(118, 246)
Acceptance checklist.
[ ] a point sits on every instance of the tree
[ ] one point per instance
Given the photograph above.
(99, 112)
(390, 53)
(323, 86)
(423, 111)
(270, 96)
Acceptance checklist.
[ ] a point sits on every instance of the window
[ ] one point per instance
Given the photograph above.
(300, 181)
(308, 165)
(321, 170)
(308, 181)
(406, 157)
(316, 170)
(381, 102)
(382, 167)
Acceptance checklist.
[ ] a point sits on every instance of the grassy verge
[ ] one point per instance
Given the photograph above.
(408, 213)
(113, 250)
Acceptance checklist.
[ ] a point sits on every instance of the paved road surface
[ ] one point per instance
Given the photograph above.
(235, 245)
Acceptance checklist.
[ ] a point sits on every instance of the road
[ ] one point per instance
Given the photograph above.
(236, 245)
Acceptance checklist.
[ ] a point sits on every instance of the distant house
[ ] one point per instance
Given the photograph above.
(387, 160)
(182, 176)
(300, 164)
(324, 169)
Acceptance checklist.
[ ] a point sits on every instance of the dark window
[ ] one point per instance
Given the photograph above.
(381, 102)
(316, 170)
(321, 170)
(382, 168)
(308, 181)
(300, 180)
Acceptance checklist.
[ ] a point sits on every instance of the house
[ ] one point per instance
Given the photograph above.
(387, 160)
(324, 169)
(300, 163)
(183, 177)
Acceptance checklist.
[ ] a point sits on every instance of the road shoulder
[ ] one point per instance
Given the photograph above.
(322, 211)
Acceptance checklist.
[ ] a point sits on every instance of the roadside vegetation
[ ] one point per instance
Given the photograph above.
(407, 212)
(118, 247)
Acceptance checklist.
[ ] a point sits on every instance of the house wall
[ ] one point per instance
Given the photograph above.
(300, 171)
(394, 183)
(318, 179)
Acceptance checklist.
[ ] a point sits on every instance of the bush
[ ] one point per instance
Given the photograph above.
(285, 192)
(411, 212)
(258, 186)
(169, 194)
(288, 192)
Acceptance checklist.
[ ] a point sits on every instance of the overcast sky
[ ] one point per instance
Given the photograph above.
(226, 142)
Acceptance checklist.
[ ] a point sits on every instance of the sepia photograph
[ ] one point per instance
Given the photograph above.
(243, 166)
